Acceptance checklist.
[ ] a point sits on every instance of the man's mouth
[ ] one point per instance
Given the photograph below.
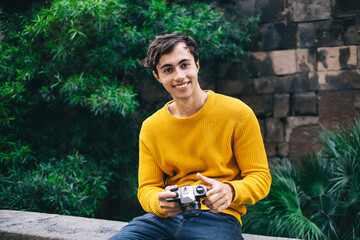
(182, 85)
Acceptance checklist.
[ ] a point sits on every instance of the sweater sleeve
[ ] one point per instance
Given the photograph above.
(151, 181)
(251, 157)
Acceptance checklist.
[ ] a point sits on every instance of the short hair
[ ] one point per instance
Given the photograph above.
(164, 44)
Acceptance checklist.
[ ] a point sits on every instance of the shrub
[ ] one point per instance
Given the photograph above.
(69, 84)
(319, 199)
(68, 186)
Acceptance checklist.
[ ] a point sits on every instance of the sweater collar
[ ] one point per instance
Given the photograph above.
(203, 110)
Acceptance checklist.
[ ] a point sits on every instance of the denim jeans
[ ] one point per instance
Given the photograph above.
(217, 226)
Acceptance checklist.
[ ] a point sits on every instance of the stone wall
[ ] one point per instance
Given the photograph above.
(304, 71)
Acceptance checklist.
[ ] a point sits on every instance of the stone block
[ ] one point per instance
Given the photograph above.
(270, 10)
(310, 10)
(283, 149)
(356, 102)
(294, 122)
(30, 225)
(320, 34)
(262, 105)
(285, 84)
(244, 8)
(281, 105)
(266, 85)
(337, 107)
(303, 142)
(274, 130)
(337, 58)
(343, 9)
(322, 82)
(304, 104)
(283, 61)
(260, 64)
(352, 31)
(305, 60)
(313, 81)
(339, 80)
(236, 87)
(223, 69)
(270, 149)
(297, 83)
(279, 35)
(358, 57)
(262, 127)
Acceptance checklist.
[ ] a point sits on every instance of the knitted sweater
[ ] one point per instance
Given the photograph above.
(221, 141)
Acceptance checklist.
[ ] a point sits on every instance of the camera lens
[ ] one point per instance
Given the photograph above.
(191, 209)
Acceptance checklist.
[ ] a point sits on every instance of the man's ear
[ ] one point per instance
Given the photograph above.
(156, 76)
(198, 64)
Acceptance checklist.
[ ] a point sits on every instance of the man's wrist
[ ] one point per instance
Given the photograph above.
(232, 190)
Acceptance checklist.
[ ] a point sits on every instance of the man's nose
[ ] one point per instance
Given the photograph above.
(180, 75)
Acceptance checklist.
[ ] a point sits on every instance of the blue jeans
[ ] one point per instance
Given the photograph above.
(217, 226)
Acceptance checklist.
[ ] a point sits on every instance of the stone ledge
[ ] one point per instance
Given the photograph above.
(20, 225)
(31, 225)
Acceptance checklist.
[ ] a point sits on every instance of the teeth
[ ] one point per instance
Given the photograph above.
(181, 86)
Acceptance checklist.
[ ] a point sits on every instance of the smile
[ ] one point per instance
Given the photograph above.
(182, 85)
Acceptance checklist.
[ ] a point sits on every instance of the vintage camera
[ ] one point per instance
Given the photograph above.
(189, 198)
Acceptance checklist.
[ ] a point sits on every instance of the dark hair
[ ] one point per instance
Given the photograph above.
(164, 44)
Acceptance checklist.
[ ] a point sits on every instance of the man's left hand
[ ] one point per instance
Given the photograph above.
(220, 194)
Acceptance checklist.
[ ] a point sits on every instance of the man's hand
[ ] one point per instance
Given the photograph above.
(220, 194)
(170, 208)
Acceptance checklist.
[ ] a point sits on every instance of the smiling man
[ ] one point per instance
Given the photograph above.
(198, 138)
(178, 72)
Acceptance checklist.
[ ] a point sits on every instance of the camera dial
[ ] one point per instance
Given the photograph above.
(200, 189)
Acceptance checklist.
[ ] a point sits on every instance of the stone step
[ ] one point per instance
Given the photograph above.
(21, 225)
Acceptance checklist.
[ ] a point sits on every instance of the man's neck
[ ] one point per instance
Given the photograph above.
(186, 108)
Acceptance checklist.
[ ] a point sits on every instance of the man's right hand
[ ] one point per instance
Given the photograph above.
(170, 208)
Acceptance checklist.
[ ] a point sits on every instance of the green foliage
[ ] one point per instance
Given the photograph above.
(69, 94)
(319, 199)
(66, 186)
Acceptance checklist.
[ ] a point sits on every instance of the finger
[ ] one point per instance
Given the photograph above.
(171, 208)
(213, 202)
(222, 207)
(218, 206)
(165, 204)
(215, 188)
(166, 194)
(213, 208)
(170, 187)
(206, 180)
(218, 210)
(220, 198)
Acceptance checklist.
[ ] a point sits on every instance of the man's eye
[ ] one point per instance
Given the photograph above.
(185, 65)
(168, 70)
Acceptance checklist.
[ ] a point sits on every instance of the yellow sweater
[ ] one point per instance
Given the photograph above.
(221, 141)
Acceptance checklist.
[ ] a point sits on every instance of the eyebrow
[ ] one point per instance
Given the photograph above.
(169, 65)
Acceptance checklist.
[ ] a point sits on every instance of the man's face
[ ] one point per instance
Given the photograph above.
(178, 72)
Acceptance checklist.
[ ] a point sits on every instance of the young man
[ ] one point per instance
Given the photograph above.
(200, 137)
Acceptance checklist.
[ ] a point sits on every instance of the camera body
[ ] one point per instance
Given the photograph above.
(189, 198)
